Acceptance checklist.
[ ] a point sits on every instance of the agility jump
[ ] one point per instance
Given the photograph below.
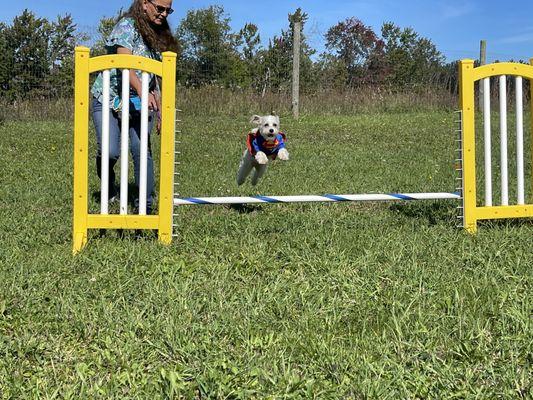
(166, 69)
(466, 161)
(472, 212)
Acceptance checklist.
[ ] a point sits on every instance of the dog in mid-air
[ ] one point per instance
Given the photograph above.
(264, 143)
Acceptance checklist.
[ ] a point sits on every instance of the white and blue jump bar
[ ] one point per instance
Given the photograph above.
(331, 198)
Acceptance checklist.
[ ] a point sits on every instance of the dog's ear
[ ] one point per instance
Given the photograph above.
(256, 119)
(277, 119)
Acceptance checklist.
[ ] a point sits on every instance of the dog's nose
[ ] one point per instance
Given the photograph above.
(271, 130)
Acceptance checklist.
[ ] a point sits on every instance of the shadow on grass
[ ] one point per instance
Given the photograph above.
(434, 213)
(507, 223)
(244, 208)
(446, 212)
(127, 234)
(133, 193)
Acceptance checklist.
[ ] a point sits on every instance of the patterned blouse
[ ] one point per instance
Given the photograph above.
(124, 34)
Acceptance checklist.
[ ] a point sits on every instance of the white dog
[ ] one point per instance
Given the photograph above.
(263, 143)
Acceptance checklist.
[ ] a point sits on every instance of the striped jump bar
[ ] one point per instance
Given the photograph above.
(314, 199)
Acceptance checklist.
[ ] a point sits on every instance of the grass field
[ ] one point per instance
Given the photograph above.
(337, 301)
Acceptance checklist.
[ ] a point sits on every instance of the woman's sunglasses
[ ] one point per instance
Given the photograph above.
(161, 9)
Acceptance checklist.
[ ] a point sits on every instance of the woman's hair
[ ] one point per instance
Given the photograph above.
(156, 37)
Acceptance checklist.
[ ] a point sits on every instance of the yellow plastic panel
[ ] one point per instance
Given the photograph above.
(497, 69)
(123, 222)
(505, 212)
(125, 61)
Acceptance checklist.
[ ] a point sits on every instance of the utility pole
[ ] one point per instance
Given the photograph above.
(296, 39)
(482, 61)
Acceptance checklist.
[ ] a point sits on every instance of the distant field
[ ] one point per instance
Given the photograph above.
(354, 301)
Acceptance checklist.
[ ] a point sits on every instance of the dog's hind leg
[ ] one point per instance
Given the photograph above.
(247, 163)
(259, 171)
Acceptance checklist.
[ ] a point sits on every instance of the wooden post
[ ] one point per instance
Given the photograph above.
(482, 61)
(296, 68)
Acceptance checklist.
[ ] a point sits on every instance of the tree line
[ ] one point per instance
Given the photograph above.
(37, 56)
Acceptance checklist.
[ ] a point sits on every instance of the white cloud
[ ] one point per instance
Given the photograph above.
(450, 11)
(524, 37)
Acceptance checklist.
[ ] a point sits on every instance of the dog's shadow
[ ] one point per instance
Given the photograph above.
(245, 208)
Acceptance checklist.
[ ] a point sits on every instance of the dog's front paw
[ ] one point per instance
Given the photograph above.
(261, 158)
(283, 155)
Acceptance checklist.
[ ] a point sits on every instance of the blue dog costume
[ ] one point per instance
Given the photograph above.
(255, 143)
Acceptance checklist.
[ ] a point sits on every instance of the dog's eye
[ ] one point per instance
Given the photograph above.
(266, 125)
(275, 125)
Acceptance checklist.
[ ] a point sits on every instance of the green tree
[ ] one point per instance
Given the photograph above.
(105, 27)
(331, 72)
(307, 70)
(62, 41)
(6, 61)
(209, 49)
(28, 38)
(37, 56)
(276, 60)
(249, 45)
(250, 41)
(358, 49)
(410, 58)
(275, 63)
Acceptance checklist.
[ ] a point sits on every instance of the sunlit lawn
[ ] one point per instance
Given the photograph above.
(373, 300)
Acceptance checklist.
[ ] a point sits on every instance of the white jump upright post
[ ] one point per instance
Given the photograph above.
(504, 168)
(104, 170)
(487, 141)
(144, 144)
(520, 141)
(124, 142)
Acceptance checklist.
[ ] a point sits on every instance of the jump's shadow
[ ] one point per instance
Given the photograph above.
(245, 208)
(446, 212)
(434, 213)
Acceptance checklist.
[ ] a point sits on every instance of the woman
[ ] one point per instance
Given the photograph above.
(142, 31)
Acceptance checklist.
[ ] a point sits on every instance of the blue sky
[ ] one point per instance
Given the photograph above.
(455, 26)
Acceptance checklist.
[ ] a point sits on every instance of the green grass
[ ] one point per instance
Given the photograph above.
(294, 301)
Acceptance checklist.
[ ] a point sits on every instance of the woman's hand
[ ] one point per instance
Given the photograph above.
(157, 109)
(153, 103)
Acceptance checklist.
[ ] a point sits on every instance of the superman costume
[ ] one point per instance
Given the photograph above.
(255, 143)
